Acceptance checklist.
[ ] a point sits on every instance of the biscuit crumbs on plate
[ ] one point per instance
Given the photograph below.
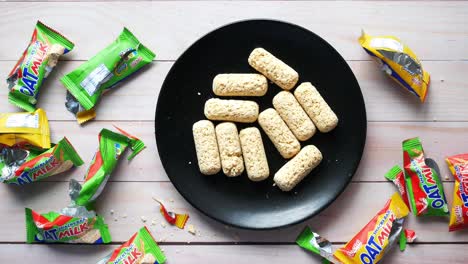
(124, 216)
(111, 211)
(163, 224)
(191, 229)
(143, 219)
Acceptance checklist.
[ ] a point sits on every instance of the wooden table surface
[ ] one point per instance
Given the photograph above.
(436, 31)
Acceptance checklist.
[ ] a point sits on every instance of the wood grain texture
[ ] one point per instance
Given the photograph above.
(339, 222)
(435, 32)
(385, 100)
(232, 254)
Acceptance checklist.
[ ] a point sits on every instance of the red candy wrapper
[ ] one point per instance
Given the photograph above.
(397, 176)
(178, 220)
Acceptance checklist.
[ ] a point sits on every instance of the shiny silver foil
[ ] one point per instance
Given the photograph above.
(11, 159)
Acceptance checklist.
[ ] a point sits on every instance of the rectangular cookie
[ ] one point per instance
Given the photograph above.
(231, 110)
(293, 115)
(240, 84)
(315, 106)
(229, 149)
(295, 170)
(273, 68)
(279, 133)
(255, 159)
(206, 147)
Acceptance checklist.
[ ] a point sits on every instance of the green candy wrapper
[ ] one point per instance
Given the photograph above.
(55, 227)
(425, 190)
(111, 147)
(140, 248)
(315, 243)
(37, 61)
(22, 164)
(111, 65)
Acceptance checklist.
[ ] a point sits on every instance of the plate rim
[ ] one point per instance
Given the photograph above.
(308, 216)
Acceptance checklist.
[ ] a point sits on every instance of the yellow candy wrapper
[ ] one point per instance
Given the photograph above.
(398, 61)
(25, 128)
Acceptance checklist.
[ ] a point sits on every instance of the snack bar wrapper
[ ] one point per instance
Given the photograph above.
(370, 244)
(425, 190)
(56, 227)
(140, 248)
(399, 62)
(23, 164)
(111, 147)
(25, 128)
(458, 165)
(378, 236)
(397, 176)
(36, 63)
(88, 82)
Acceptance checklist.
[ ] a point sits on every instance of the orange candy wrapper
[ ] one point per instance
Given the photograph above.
(458, 165)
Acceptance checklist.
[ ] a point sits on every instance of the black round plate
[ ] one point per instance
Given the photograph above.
(238, 201)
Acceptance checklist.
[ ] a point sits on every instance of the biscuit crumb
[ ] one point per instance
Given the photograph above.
(191, 230)
(274, 184)
(143, 219)
(446, 177)
(124, 216)
(111, 211)
(171, 200)
(116, 219)
(189, 162)
(163, 224)
(199, 93)
(153, 222)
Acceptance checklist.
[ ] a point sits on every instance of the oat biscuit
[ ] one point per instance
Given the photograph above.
(240, 84)
(293, 115)
(315, 106)
(279, 133)
(295, 170)
(255, 159)
(273, 68)
(229, 149)
(231, 110)
(206, 147)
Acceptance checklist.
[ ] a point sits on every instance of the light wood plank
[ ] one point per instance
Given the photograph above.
(385, 100)
(239, 254)
(435, 32)
(348, 214)
(382, 150)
